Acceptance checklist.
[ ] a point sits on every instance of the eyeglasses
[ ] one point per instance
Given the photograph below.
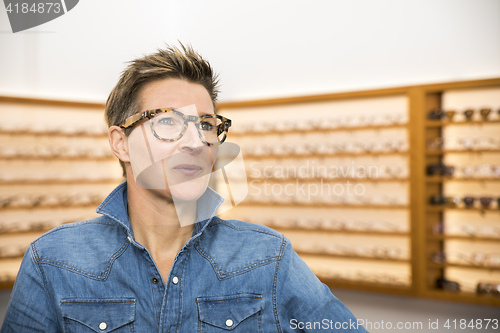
(170, 125)
(467, 201)
(448, 285)
(440, 169)
(468, 114)
(488, 288)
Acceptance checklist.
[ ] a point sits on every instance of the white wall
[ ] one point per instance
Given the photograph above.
(261, 48)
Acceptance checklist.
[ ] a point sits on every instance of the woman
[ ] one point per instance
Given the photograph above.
(158, 259)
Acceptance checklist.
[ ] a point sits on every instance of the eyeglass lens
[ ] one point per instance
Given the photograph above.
(170, 125)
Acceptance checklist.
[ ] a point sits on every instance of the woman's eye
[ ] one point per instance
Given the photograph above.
(206, 126)
(167, 121)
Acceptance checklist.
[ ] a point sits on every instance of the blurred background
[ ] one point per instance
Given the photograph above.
(309, 86)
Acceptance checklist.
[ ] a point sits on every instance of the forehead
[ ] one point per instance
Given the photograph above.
(175, 93)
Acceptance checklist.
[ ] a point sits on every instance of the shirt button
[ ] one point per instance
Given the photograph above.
(155, 280)
(103, 326)
(229, 323)
(175, 280)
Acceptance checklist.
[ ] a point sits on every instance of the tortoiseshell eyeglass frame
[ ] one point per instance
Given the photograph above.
(222, 128)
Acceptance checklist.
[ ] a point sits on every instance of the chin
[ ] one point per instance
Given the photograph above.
(190, 190)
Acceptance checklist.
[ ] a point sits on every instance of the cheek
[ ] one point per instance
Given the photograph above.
(213, 152)
(161, 150)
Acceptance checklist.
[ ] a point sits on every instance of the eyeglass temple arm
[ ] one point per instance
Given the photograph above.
(226, 123)
(130, 121)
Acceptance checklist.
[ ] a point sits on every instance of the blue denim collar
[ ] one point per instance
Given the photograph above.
(115, 207)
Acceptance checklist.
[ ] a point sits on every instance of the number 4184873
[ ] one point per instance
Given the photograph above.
(477, 324)
(41, 7)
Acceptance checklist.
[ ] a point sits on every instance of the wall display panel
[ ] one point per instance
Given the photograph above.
(424, 218)
(333, 176)
(393, 190)
(56, 168)
(463, 176)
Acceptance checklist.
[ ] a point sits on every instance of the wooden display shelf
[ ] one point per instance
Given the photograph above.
(419, 100)
(53, 133)
(312, 155)
(319, 130)
(462, 296)
(58, 158)
(320, 205)
(463, 237)
(467, 266)
(94, 205)
(330, 180)
(437, 123)
(461, 151)
(51, 181)
(346, 232)
(354, 257)
(367, 286)
(435, 179)
(436, 209)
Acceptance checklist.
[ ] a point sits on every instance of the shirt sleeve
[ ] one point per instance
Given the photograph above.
(304, 303)
(30, 307)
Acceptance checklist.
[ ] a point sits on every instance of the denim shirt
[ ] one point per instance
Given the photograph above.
(231, 276)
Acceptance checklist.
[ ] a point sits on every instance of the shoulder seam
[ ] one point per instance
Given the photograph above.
(34, 258)
(232, 226)
(75, 225)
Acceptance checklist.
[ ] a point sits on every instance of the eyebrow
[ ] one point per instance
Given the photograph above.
(177, 109)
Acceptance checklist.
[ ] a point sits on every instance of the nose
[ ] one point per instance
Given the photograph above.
(191, 139)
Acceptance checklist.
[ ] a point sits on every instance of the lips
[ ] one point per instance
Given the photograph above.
(188, 169)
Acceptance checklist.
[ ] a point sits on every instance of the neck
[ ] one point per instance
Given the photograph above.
(156, 221)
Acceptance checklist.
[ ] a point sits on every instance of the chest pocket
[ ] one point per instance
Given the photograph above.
(238, 313)
(98, 315)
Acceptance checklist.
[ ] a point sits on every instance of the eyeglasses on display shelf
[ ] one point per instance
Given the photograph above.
(448, 285)
(383, 278)
(484, 114)
(318, 223)
(463, 143)
(52, 129)
(324, 123)
(367, 252)
(36, 224)
(12, 251)
(467, 230)
(473, 259)
(466, 171)
(484, 202)
(488, 288)
(361, 276)
(44, 151)
(490, 260)
(7, 277)
(440, 169)
(50, 200)
(327, 148)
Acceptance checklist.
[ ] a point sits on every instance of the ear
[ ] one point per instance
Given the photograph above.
(118, 142)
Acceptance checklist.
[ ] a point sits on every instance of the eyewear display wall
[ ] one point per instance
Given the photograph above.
(424, 161)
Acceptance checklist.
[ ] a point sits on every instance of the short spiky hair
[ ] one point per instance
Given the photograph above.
(170, 62)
